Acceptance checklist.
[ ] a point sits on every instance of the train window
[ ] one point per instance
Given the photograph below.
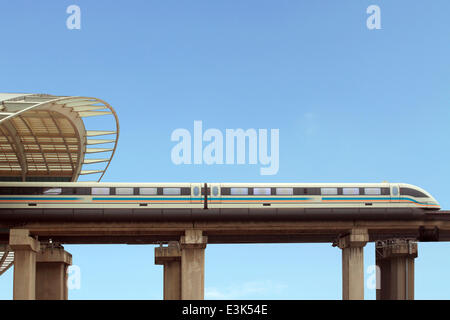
(261, 191)
(350, 191)
(83, 191)
(29, 190)
(124, 191)
(78, 191)
(52, 191)
(312, 191)
(148, 191)
(67, 191)
(196, 191)
(172, 191)
(412, 192)
(18, 190)
(100, 191)
(215, 191)
(395, 191)
(330, 191)
(239, 191)
(285, 191)
(372, 191)
(6, 190)
(308, 191)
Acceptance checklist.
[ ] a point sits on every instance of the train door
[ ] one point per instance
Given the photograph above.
(196, 196)
(395, 193)
(214, 195)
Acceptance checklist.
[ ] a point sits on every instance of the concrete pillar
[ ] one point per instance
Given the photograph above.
(395, 260)
(352, 246)
(51, 273)
(193, 245)
(25, 249)
(170, 258)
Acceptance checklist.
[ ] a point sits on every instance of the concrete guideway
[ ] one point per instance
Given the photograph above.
(432, 227)
(183, 258)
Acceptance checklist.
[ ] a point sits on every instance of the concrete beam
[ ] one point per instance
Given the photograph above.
(193, 245)
(395, 259)
(51, 273)
(25, 248)
(170, 258)
(238, 231)
(352, 246)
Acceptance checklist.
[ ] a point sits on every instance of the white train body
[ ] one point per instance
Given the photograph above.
(219, 195)
(322, 195)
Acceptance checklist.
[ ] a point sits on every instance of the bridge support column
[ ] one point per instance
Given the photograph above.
(170, 258)
(25, 248)
(352, 246)
(51, 273)
(395, 260)
(193, 245)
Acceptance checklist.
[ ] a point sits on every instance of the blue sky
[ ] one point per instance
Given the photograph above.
(351, 104)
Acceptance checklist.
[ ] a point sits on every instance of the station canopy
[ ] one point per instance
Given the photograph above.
(6, 258)
(55, 138)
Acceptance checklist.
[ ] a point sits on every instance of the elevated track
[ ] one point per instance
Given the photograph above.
(221, 226)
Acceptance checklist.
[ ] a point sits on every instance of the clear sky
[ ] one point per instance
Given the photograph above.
(351, 105)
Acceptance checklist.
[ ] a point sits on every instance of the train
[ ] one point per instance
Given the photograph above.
(105, 195)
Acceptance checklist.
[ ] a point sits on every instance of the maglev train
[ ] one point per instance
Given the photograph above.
(213, 195)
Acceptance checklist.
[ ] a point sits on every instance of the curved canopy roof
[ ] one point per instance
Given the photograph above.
(6, 258)
(48, 138)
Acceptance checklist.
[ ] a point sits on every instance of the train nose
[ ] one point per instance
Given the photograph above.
(434, 204)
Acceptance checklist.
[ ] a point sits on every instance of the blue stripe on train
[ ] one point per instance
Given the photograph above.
(260, 198)
(371, 198)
